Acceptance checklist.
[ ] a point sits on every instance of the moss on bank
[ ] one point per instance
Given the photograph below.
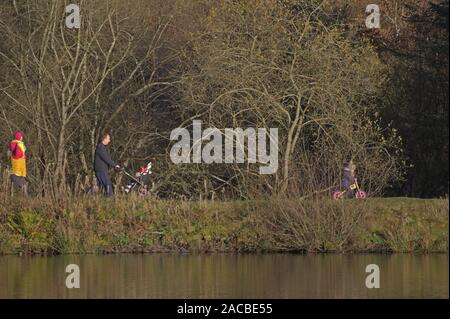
(130, 224)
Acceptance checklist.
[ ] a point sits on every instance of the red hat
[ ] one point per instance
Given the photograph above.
(18, 136)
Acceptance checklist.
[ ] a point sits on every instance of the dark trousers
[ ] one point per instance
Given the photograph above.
(104, 182)
(19, 182)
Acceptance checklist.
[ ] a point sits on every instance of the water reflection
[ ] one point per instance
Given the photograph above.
(226, 276)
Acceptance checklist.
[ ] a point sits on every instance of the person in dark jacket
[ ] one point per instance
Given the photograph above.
(102, 164)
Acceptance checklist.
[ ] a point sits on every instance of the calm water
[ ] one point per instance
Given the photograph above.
(226, 276)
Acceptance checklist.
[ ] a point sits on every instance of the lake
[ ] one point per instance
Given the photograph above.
(226, 276)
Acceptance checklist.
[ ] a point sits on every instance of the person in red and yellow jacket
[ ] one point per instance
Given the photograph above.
(18, 162)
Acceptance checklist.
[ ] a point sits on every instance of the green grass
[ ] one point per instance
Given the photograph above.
(131, 224)
(409, 224)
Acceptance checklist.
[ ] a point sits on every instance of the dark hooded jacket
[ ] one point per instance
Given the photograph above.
(347, 178)
(102, 160)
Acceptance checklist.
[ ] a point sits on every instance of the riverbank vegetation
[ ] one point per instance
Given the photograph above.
(135, 224)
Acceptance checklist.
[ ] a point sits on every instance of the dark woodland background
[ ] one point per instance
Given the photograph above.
(138, 69)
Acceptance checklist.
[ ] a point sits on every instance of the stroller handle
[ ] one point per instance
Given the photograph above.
(134, 179)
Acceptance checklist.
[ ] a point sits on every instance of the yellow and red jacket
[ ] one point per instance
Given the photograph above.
(18, 157)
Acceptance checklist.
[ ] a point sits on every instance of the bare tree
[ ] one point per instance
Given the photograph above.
(272, 64)
(66, 85)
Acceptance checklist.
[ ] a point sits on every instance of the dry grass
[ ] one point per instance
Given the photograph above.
(134, 224)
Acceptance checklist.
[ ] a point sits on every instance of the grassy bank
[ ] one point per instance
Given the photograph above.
(129, 224)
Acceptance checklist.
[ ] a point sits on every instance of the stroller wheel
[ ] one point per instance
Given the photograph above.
(337, 195)
(361, 195)
(143, 191)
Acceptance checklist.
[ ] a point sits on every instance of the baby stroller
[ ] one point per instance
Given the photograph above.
(139, 182)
